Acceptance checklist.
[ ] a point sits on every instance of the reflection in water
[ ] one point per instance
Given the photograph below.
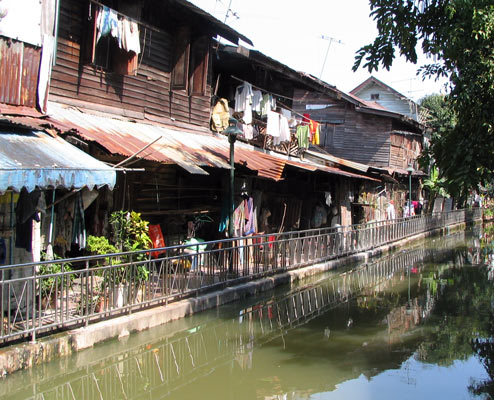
(421, 302)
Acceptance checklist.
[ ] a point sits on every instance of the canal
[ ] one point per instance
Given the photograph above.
(417, 323)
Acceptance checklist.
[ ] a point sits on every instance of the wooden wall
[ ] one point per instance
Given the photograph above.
(404, 150)
(347, 133)
(144, 96)
(389, 100)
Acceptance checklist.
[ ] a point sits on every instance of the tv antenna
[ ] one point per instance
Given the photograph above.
(229, 12)
(330, 40)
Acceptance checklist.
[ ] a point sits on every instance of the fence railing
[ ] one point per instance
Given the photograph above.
(78, 291)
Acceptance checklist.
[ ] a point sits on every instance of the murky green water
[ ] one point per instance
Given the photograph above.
(417, 324)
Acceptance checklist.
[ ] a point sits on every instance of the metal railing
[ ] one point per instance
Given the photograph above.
(78, 291)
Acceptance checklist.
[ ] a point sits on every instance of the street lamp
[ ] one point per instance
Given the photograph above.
(410, 171)
(232, 131)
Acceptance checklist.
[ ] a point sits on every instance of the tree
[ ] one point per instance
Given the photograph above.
(440, 120)
(459, 34)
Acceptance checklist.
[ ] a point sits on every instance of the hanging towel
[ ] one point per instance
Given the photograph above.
(243, 101)
(315, 129)
(273, 126)
(268, 103)
(256, 100)
(303, 133)
(284, 129)
(129, 36)
(248, 131)
(107, 23)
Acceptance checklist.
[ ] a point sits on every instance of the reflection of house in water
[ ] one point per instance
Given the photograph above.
(405, 318)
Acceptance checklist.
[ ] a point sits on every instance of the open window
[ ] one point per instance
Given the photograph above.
(112, 41)
(190, 62)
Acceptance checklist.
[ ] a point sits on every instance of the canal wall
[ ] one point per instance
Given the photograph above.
(26, 355)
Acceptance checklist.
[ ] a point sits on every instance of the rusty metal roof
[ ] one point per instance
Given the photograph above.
(330, 170)
(189, 150)
(337, 160)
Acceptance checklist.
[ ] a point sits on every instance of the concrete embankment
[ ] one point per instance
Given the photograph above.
(27, 355)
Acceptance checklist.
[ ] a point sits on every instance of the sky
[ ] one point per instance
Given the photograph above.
(291, 32)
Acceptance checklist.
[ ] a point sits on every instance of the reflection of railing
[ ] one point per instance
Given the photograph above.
(157, 369)
(104, 286)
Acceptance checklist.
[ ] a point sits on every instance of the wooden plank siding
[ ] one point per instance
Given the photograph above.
(146, 95)
(388, 100)
(404, 150)
(347, 133)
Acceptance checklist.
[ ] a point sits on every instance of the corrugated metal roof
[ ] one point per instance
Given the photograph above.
(347, 163)
(331, 170)
(189, 150)
(337, 171)
(36, 159)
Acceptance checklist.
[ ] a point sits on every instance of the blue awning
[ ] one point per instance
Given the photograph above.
(38, 159)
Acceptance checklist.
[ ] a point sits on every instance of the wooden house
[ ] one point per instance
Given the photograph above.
(373, 90)
(365, 132)
(310, 178)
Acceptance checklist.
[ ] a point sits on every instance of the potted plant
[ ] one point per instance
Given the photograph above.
(129, 234)
(49, 286)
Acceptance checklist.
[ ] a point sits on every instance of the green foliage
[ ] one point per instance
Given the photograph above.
(48, 286)
(459, 34)
(100, 245)
(489, 212)
(130, 233)
(435, 185)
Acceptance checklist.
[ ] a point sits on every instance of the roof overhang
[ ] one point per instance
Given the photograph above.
(336, 160)
(33, 159)
(222, 29)
(190, 150)
(329, 170)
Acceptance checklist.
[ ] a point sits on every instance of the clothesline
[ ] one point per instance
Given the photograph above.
(125, 16)
(259, 88)
(279, 95)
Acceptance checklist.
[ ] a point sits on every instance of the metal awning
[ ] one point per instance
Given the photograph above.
(36, 159)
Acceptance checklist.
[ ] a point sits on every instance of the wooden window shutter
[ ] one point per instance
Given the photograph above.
(180, 71)
(199, 66)
(89, 36)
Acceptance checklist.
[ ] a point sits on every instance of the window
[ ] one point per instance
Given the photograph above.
(374, 96)
(190, 66)
(108, 52)
(199, 64)
(181, 55)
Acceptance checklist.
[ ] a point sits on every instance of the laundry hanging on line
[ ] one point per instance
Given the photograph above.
(125, 31)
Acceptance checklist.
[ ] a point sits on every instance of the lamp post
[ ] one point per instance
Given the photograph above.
(410, 171)
(232, 131)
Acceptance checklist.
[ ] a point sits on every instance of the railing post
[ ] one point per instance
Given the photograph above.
(85, 289)
(33, 308)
